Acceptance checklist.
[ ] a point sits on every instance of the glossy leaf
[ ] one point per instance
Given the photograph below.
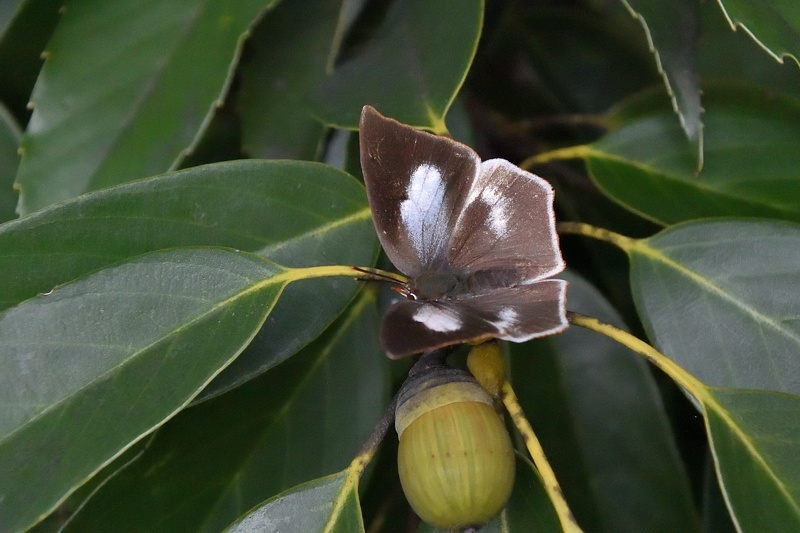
(92, 366)
(529, 508)
(753, 434)
(308, 508)
(755, 438)
(298, 214)
(549, 59)
(720, 298)
(720, 44)
(750, 162)
(301, 420)
(411, 69)
(7, 10)
(716, 516)
(774, 25)
(21, 43)
(221, 140)
(672, 30)
(56, 521)
(601, 421)
(9, 140)
(126, 91)
(292, 47)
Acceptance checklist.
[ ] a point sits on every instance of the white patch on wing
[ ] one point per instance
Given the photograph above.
(487, 191)
(506, 318)
(498, 210)
(498, 184)
(425, 196)
(556, 326)
(436, 319)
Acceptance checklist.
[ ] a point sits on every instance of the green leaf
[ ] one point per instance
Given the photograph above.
(599, 415)
(291, 49)
(566, 53)
(308, 508)
(755, 438)
(411, 70)
(750, 162)
(56, 521)
(774, 25)
(7, 10)
(21, 44)
(9, 140)
(298, 214)
(672, 32)
(301, 420)
(529, 508)
(126, 92)
(92, 366)
(720, 44)
(720, 298)
(716, 516)
(221, 140)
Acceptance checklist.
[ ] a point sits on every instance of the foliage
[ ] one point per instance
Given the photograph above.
(178, 346)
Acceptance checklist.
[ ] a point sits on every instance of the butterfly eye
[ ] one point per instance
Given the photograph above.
(402, 289)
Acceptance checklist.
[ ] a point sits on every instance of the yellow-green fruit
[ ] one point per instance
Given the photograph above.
(456, 461)
(485, 362)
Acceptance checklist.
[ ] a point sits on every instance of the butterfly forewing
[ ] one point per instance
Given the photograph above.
(506, 224)
(517, 314)
(415, 182)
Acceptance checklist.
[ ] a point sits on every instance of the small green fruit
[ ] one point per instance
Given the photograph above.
(485, 362)
(455, 458)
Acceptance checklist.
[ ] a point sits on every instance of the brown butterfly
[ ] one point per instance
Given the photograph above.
(477, 240)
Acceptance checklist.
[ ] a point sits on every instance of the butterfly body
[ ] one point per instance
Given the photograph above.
(433, 285)
(477, 240)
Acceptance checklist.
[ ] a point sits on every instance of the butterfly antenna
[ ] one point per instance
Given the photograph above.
(373, 274)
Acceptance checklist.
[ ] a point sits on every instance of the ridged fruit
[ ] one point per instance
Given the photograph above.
(455, 458)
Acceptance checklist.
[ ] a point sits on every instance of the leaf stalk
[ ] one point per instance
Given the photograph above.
(565, 516)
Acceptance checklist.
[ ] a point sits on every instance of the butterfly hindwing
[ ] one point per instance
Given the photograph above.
(525, 312)
(413, 326)
(515, 313)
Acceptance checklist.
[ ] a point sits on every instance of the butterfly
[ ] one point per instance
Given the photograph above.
(476, 239)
